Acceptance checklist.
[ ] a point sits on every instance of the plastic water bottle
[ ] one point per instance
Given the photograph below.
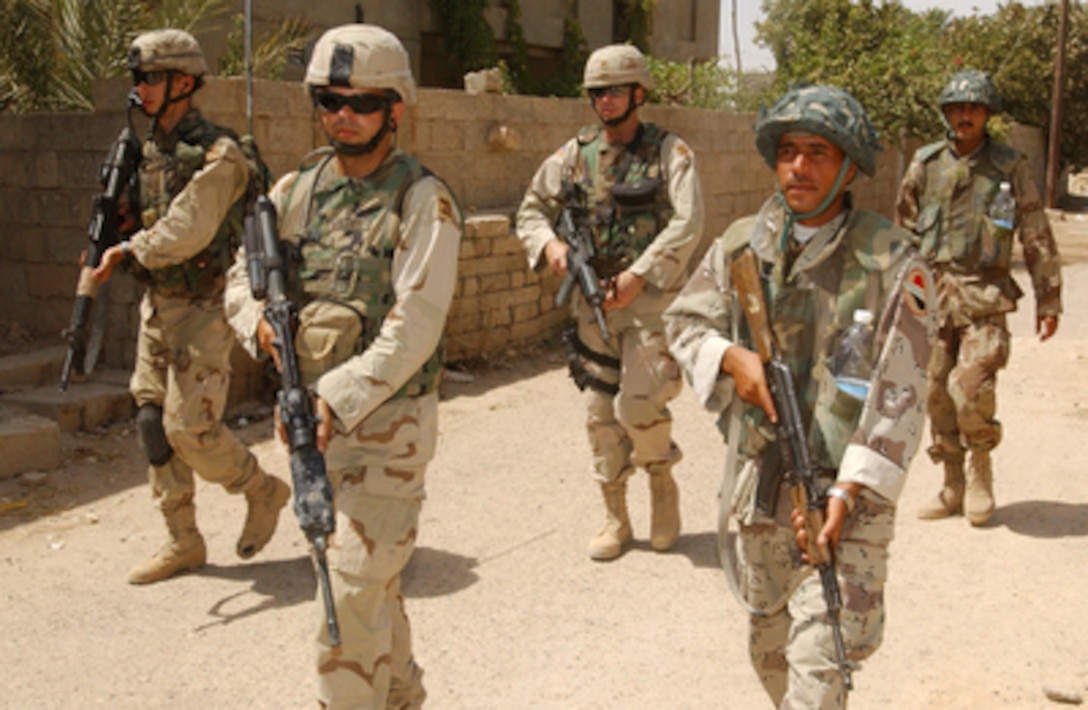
(852, 362)
(1003, 207)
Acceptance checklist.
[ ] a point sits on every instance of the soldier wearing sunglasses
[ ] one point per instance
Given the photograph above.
(373, 239)
(645, 210)
(196, 182)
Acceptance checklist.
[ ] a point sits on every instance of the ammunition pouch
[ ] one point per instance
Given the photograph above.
(576, 351)
(638, 193)
(329, 333)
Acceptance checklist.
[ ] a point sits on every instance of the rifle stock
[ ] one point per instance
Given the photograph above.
(117, 174)
(313, 496)
(800, 474)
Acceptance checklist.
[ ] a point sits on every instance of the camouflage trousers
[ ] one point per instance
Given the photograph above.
(377, 471)
(791, 645)
(632, 428)
(962, 398)
(183, 365)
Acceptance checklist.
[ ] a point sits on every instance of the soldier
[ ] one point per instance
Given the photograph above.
(195, 185)
(646, 205)
(820, 260)
(945, 200)
(374, 238)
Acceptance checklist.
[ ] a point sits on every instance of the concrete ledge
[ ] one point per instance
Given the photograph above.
(85, 406)
(27, 443)
(35, 369)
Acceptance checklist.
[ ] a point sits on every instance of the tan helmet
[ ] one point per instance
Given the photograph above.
(617, 64)
(364, 57)
(165, 50)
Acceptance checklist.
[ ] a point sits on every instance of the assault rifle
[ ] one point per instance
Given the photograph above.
(800, 474)
(313, 502)
(573, 228)
(118, 173)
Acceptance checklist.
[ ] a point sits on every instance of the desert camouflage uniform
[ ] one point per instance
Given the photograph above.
(857, 260)
(391, 242)
(634, 427)
(945, 199)
(193, 185)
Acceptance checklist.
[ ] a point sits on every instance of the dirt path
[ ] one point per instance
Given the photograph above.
(507, 610)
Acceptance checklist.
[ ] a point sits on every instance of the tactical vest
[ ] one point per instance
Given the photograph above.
(807, 317)
(345, 232)
(954, 226)
(629, 201)
(163, 175)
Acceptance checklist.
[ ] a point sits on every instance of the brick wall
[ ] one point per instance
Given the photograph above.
(486, 147)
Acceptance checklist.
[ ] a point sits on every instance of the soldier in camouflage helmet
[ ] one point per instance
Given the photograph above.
(820, 261)
(196, 182)
(375, 238)
(945, 199)
(645, 210)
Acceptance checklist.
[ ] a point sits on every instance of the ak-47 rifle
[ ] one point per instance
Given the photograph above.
(800, 474)
(118, 174)
(573, 228)
(313, 502)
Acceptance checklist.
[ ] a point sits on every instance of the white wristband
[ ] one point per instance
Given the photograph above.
(843, 495)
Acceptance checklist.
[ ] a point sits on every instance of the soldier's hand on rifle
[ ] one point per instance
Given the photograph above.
(622, 290)
(834, 516)
(323, 428)
(555, 252)
(749, 378)
(111, 258)
(266, 341)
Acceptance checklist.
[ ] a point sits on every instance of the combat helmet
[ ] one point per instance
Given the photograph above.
(826, 111)
(167, 50)
(364, 57)
(617, 64)
(971, 87)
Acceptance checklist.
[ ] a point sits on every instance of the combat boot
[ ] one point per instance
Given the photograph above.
(265, 497)
(185, 551)
(978, 501)
(949, 500)
(609, 542)
(664, 511)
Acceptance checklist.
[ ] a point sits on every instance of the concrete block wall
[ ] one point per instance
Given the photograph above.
(486, 147)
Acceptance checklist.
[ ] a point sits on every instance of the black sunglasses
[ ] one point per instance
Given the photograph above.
(147, 77)
(361, 104)
(615, 91)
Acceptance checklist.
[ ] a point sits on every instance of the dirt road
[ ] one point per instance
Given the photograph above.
(507, 610)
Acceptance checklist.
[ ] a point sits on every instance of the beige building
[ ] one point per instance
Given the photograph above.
(682, 29)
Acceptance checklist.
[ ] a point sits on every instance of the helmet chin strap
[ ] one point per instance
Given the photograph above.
(613, 122)
(353, 149)
(793, 217)
(166, 100)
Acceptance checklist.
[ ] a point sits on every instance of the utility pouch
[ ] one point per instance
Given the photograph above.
(329, 333)
(576, 351)
(637, 193)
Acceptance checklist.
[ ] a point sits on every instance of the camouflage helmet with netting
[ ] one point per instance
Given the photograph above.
(363, 57)
(615, 65)
(167, 50)
(971, 87)
(826, 111)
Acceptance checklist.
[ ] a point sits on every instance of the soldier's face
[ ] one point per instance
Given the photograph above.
(968, 122)
(808, 166)
(354, 116)
(612, 101)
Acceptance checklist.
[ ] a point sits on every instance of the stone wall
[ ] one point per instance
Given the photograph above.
(486, 147)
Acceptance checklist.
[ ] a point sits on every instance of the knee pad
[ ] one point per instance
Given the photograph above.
(152, 435)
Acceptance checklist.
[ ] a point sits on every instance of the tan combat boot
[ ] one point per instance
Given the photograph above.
(664, 511)
(265, 497)
(978, 501)
(609, 542)
(949, 500)
(185, 551)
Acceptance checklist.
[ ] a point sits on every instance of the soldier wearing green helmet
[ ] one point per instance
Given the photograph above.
(821, 263)
(375, 238)
(639, 186)
(196, 182)
(946, 200)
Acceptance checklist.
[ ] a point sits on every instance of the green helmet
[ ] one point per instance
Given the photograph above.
(364, 57)
(617, 64)
(971, 87)
(167, 50)
(826, 111)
